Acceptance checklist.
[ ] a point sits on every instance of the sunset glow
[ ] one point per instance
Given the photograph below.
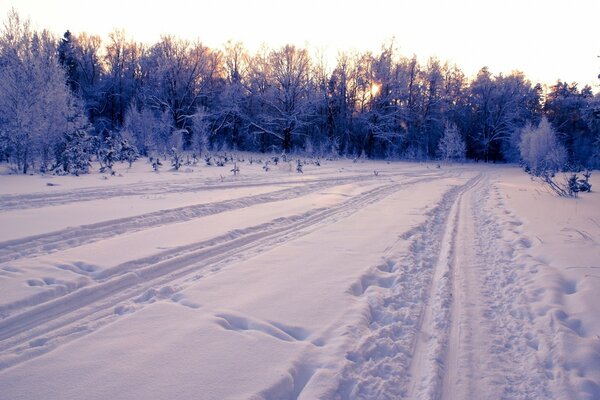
(375, 89)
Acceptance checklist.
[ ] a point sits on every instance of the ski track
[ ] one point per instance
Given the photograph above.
(37, 328)
(379, 367)
(518, 347)
(45, 199)
(77, 236)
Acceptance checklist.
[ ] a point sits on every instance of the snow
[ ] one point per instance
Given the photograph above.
(464, 281)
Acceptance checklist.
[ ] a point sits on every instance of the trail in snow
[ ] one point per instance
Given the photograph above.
(452, 319)
(381, 365)
(76, 236)
(52, 198)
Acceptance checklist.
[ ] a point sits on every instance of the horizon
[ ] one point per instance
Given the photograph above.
(267, 22)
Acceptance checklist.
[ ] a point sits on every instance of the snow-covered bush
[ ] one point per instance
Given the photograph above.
(541, 152)
(573, 185)
(570, 186)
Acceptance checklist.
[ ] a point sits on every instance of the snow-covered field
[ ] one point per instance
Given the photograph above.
(460, 282)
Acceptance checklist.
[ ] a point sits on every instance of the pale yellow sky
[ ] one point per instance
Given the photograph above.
(547, 40)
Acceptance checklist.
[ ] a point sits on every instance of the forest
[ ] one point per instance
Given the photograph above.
(67, 100)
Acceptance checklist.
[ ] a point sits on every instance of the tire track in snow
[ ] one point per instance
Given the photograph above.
(77, 236)
(44, 326)
(397, 312)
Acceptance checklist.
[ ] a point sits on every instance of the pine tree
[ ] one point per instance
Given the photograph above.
(176, 158)
(74, 156)
(109, 150)
(129, 152)
(66, 57)
(573, 185)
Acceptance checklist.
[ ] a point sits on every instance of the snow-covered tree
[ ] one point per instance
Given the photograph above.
(451, 146)
(540, 150)
(36, 107)
(181, 76)
(226, 120)
(280, 84)
(74, 155)
(129, 152)
(576, 121)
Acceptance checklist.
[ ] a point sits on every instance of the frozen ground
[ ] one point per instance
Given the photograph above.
(459, 282)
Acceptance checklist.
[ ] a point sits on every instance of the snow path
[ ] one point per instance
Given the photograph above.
(33, 200)
(493, 343)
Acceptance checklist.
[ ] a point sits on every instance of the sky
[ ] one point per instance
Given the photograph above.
(547, 40)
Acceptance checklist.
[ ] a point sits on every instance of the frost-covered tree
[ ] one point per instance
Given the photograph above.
(91, 82)
(181, 78)
(280, 84)
(575, 115)
(451, 146)
(67, 58)
(122, 77)
(226, 119)
(129, 152)
(499, 106)
(541, 152)
(149, 130)
(36, 107)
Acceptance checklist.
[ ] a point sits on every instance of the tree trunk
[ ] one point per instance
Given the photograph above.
(287, 139)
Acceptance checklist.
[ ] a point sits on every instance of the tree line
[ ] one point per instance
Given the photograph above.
(64, 100)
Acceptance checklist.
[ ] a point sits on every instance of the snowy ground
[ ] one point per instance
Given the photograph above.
(458, 282)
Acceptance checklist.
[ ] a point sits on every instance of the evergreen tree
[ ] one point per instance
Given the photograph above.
(129, 152)
(67, 58)
(74, 154)
(108, 150)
